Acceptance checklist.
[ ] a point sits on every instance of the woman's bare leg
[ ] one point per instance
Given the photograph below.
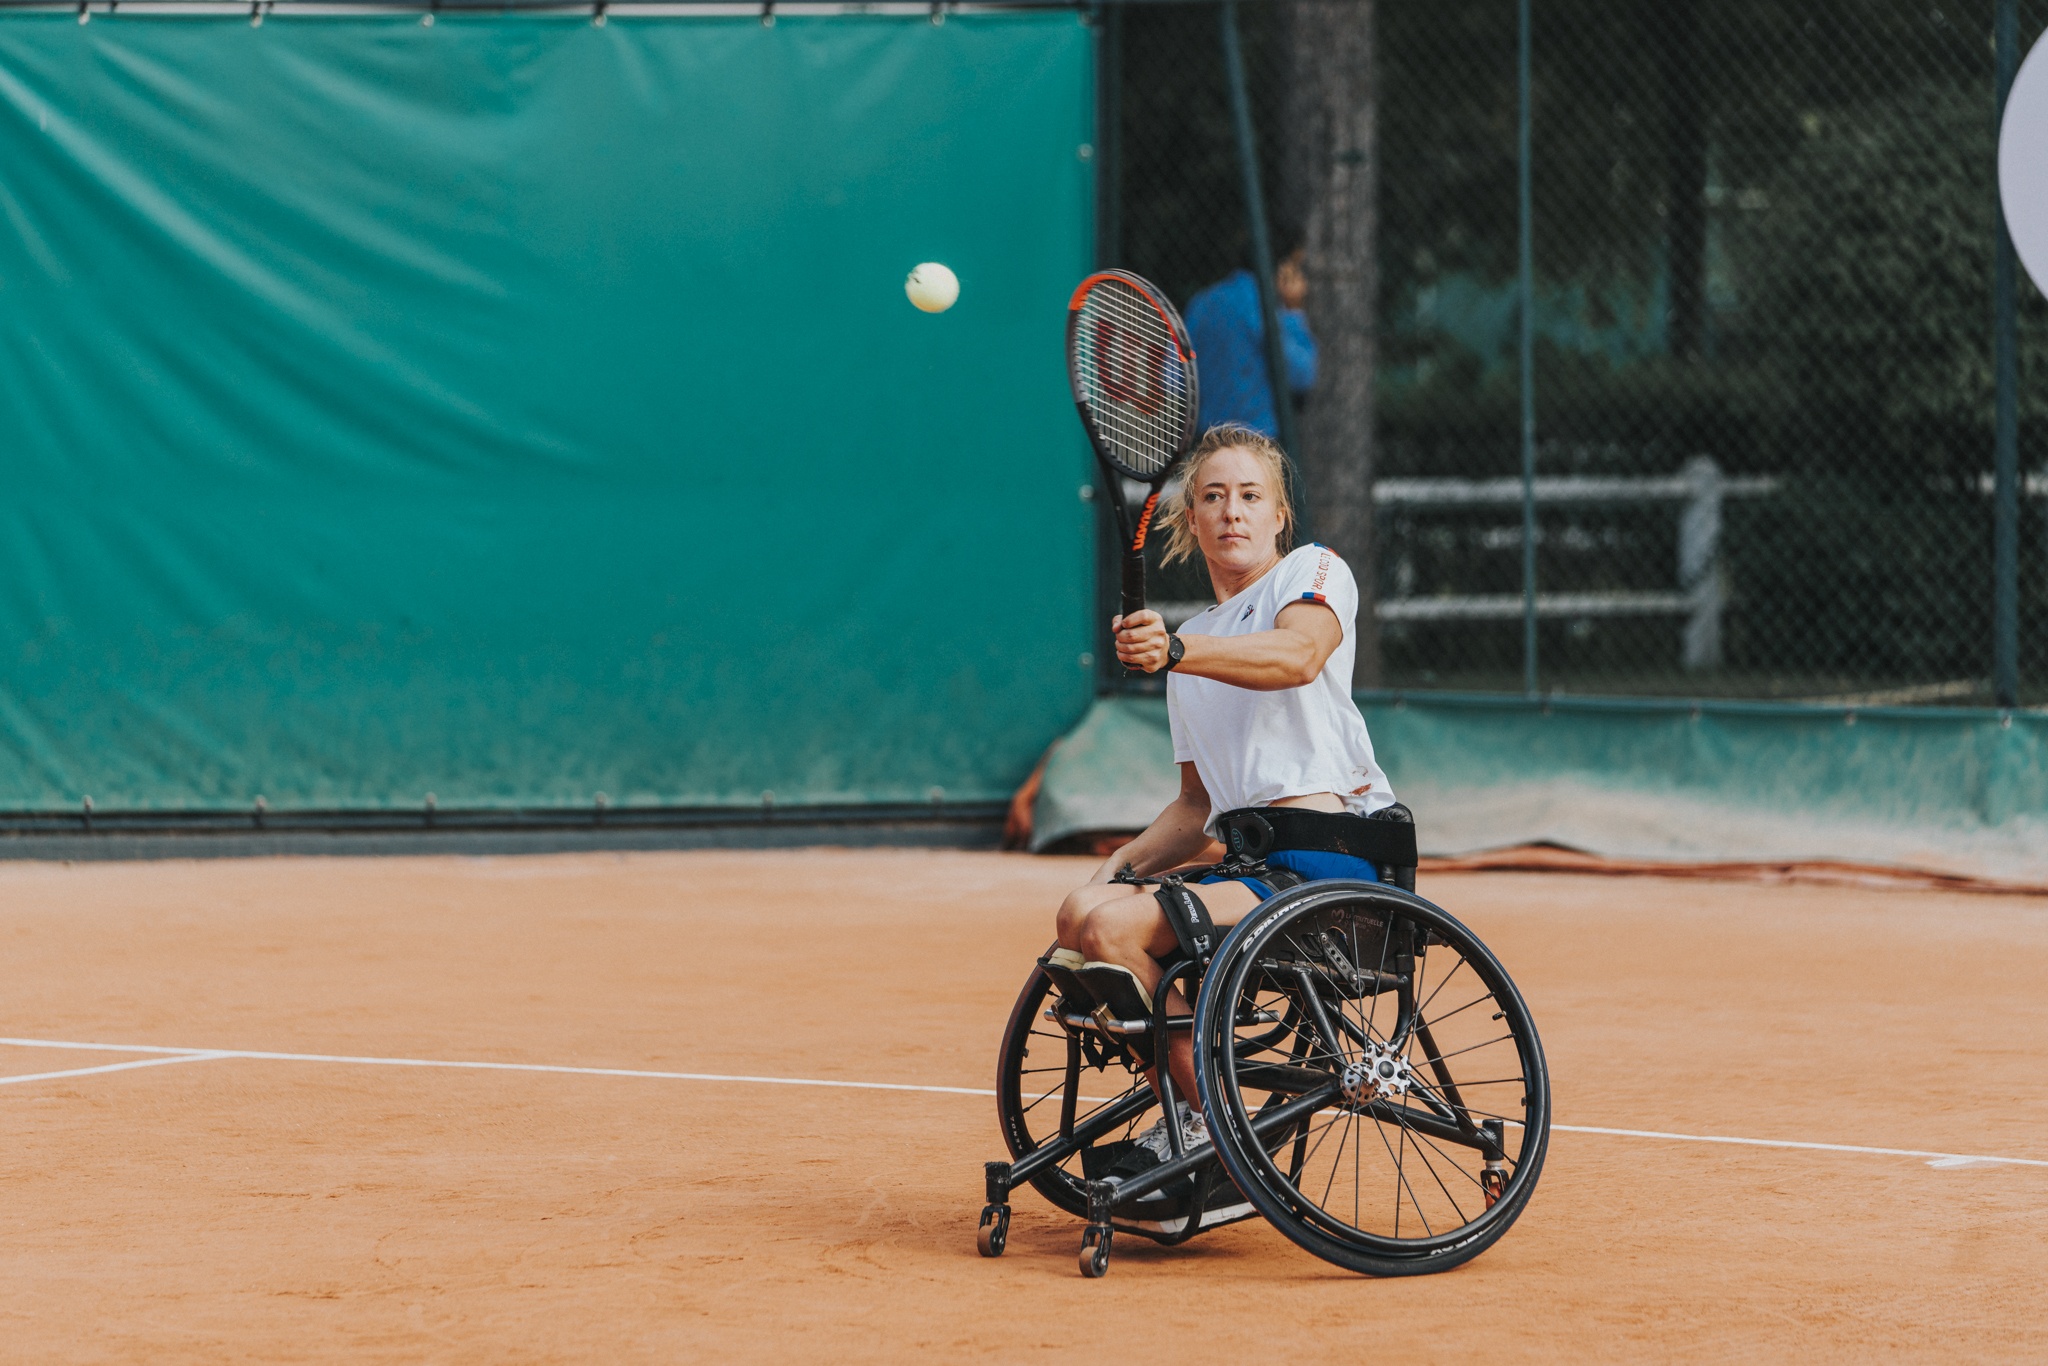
(1129, 928)
(1081, 903)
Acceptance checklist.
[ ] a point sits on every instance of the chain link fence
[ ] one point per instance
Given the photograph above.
(1763, 242)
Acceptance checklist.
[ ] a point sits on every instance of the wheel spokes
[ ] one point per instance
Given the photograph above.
(1405, 1189)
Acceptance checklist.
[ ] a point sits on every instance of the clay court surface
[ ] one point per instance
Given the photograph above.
(294, 1209)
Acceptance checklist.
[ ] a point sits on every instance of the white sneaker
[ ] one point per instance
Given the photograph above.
(1154, 1141)
(1194, 1133)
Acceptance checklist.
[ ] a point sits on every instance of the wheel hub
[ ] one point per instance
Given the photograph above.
(1378, 1073)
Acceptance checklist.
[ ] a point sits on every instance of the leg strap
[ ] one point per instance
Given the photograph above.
(1192, 927)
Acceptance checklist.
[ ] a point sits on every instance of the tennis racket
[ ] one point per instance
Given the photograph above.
(1133, 373)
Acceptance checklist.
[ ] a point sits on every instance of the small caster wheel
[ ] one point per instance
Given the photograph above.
(1494, 1182)
(994, 1233)
(1095, 1251)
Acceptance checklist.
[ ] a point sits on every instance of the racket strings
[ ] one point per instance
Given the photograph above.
(1132, 377)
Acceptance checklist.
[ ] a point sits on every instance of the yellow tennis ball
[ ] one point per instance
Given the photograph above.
(932, 287)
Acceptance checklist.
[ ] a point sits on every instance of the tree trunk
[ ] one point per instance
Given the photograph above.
(1331, 176)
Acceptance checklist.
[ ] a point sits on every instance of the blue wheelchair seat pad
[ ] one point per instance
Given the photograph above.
(1311, 864)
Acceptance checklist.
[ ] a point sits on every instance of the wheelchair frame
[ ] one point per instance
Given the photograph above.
(1446, 1119)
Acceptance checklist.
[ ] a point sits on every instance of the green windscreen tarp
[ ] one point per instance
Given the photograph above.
(515, 409)
(1959, 791)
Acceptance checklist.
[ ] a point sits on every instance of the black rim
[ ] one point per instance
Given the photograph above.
(1399, 1173)
(1031, 1092)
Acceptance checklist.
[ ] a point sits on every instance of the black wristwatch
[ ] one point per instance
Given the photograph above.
(1175, 648)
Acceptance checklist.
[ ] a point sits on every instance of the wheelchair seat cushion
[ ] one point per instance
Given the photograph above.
(1060, 966)
(1121, 996)
(1284, 868)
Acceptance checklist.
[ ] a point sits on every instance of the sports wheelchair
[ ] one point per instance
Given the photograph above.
(1372, 1081)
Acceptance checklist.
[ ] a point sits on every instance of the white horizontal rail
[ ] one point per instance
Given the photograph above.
(1563, 488)
(1495, 607)
(1574, 488)
(1508, 606)
(2032, 485)
(1700, 491)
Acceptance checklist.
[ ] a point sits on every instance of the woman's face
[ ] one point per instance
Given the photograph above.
(1237, 517)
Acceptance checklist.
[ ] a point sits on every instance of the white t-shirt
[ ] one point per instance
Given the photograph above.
(1253, 748)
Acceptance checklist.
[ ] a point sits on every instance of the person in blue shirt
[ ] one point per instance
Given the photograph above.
(1229, 333)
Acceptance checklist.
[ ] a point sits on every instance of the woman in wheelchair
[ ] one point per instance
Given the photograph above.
(1356, 1065)
(1258, 695)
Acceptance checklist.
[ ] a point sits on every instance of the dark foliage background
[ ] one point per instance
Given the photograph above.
(1763, 234)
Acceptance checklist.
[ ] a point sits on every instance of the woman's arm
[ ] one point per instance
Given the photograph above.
(1174, 837)
(1290, 656)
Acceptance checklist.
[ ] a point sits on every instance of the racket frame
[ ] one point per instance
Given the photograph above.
(1133, 530)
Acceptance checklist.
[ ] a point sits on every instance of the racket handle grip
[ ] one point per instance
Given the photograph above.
(1134, 582)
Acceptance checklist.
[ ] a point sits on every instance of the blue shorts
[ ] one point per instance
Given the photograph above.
(1311, 864)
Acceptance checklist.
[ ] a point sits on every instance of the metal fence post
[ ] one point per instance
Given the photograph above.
(1109, 94)
(1527, 274)
(1699, 563)
(2005, 591)
(1110, 677)
(1255, 220)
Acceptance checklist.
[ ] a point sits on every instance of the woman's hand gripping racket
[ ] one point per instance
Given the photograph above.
(1133, 373)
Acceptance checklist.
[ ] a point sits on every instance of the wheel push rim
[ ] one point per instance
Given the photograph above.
(1371, 1170)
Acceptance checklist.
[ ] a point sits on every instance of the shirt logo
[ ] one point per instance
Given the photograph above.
(1249, 608)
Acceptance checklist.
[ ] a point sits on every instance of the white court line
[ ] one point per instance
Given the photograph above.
(200, 1054)
(1940, 1159)
(193, 1056)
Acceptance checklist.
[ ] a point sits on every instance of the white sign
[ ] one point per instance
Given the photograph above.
(2023, 164)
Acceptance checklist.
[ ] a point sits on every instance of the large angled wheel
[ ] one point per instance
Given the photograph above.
(1398, 1124)
(1034, 1102)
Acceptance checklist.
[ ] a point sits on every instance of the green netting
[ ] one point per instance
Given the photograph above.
(517, 409)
